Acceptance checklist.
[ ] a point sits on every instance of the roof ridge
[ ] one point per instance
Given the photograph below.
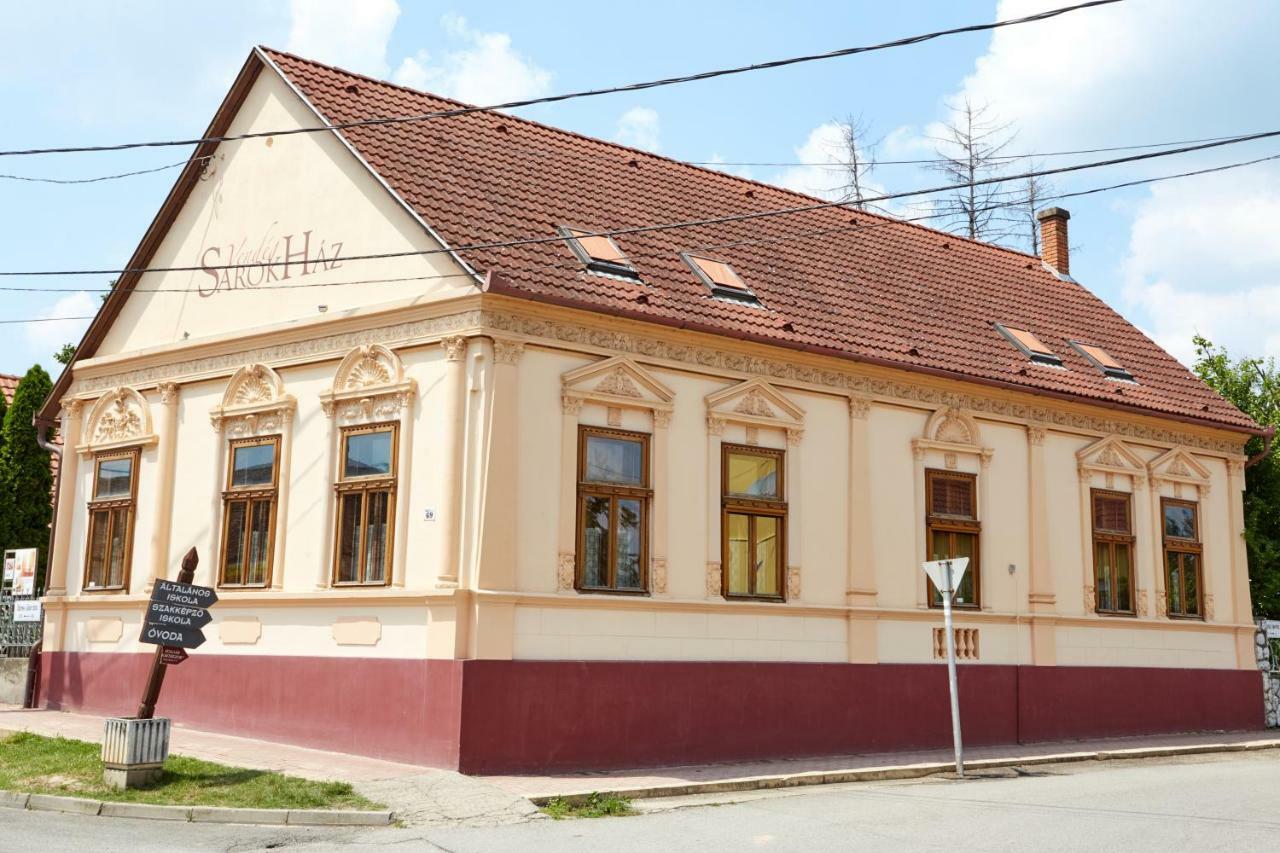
(654, 155)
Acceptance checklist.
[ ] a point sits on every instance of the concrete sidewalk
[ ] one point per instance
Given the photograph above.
(420, 796)
(794, 772)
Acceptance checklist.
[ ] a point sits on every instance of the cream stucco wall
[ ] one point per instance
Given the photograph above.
(489, 393)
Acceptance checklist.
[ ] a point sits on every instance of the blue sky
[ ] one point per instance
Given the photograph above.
(1198, 254)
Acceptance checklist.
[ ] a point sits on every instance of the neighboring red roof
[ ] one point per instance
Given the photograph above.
(895, 293)
(9, 387)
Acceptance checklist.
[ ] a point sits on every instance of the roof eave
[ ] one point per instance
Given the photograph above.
(498, 284)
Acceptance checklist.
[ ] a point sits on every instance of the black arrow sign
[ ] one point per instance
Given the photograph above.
(176, 616)
(190, 595)
(182, 638)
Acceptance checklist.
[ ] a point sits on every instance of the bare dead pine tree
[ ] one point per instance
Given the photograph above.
(1034, 192)
(857, 159)
(969, 150)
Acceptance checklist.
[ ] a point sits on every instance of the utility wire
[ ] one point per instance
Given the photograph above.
(830, 164)
(669, 226)
(34, 180)
(631, 256)
(549, 99)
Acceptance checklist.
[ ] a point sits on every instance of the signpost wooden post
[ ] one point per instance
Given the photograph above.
(175, 615)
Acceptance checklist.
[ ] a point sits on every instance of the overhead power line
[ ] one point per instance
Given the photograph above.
(669, 226)
(99, 178)
(588, 93)
(634, 255)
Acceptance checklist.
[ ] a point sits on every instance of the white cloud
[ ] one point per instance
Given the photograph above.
(639, 127)
(717, 161)
(47, 338)
(350, 35)
(1202, 257)
(485, 69)
(822, 175)
(1200, 253)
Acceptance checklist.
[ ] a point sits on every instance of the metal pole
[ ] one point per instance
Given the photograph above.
(951, 669)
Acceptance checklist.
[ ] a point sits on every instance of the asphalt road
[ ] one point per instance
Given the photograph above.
(1204, 803)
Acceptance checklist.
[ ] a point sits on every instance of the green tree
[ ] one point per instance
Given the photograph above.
(64, 355)
(1253, 385)
(26, 485)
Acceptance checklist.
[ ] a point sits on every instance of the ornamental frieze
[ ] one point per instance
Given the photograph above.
(654, 347)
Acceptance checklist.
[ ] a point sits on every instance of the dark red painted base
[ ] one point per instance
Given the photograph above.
(536, 716)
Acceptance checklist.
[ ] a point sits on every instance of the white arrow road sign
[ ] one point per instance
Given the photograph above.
(937, 572)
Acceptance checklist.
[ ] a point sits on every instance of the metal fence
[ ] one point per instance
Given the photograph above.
(17, 636)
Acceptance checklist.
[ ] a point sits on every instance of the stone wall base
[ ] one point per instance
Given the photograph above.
(483, 716)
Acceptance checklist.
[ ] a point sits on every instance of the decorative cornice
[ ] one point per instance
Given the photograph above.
(654, 347)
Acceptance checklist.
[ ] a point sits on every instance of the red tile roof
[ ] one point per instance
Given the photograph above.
(873, 289)
(8, 385)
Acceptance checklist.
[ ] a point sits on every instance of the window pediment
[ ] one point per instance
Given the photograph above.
(370, 385)
(254, 403)
(950, 431)
(1179, 466)
(1111, 455)
(616, 381)
(120, 418)
(755, 403)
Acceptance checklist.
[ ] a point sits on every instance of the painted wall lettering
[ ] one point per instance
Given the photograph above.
(275, 258)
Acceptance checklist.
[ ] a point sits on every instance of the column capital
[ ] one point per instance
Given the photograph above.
(455, 347)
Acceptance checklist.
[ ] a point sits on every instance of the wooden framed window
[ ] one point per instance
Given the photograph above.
(366, 495)
(1113, 552)
(753, 527)
(613, 510)
(249, 512)
(1183, 558)
(111, 516)
(952, 529)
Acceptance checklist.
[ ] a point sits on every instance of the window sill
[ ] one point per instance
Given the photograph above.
(1120, 614)
(95, 590)
(767, 599)
(588, 590)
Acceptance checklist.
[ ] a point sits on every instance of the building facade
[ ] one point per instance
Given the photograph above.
(458, 517)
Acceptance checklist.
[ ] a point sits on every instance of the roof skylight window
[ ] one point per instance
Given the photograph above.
(1030, 345)
(598, 252)
(1102, 360)
(720, 277)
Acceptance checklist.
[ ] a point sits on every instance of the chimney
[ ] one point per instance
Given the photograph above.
(1053, 238)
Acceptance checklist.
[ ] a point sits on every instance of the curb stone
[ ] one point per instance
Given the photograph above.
(72, 805)
(194, 814)
(887, 773)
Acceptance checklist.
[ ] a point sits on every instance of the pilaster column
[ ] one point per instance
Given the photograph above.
(493, 624)
(660, 523)
(566, 566)
(922, 547)
(1088, 591)
(1241, 607)
(68, 473)
(1040, 596)
(863, 645)
(452, 446)
(715, 571)
(1150, 559)
(795, 513)
(166, 450)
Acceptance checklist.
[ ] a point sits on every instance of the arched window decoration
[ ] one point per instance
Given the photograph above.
(371, 405)
(118, 427)
(255, 419)
(1182, 484)
(951, 501)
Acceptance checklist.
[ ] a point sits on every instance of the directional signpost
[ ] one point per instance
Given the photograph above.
(176, 613)
(946, 576)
